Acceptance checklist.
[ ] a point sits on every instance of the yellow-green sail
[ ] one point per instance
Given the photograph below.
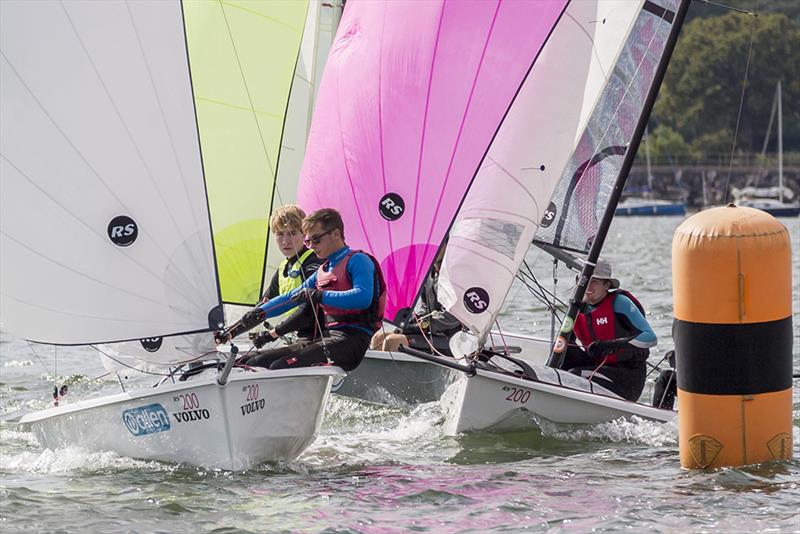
(242, 56)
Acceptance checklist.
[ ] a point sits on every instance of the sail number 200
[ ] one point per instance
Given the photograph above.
(190, 400)
(520, 396)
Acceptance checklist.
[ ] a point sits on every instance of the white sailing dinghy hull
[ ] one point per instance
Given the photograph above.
(257, 416)
(396, 378)
(492, 400)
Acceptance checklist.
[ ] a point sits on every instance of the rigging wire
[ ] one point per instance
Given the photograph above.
(46, 369)
(741, 99)
(180, 363)
(730, 8)
(544, 295)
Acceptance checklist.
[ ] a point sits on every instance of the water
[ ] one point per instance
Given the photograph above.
(388, 469)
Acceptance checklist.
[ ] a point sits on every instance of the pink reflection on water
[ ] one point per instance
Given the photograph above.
(396, 498)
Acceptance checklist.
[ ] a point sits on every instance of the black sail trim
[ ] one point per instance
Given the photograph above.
(659, 11)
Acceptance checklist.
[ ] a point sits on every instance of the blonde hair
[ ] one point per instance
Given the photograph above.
(287, 217)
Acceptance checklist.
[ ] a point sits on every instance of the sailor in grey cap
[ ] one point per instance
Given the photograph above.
(614, 335)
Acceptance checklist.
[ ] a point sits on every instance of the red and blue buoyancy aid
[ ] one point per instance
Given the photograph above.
(337, 279)
(603, 323)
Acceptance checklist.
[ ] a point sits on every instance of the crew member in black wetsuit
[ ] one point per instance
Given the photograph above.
(299, 264)
(431, 324)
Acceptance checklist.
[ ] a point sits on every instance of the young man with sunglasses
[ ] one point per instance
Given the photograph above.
(348, 287)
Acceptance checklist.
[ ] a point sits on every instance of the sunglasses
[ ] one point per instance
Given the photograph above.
(315, 239)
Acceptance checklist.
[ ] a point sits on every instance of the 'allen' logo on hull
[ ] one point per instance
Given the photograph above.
(146, 419)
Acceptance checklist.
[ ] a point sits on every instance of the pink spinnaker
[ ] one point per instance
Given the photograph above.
(411, 98)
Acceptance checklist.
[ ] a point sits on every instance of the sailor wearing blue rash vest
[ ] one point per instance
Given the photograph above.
(348, 287)
(360, 269)
(615, 335)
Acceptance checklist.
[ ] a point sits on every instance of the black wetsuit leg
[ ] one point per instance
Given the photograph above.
(345, 347)
(421, 342)
(625, 379)
(576, 357)
(265, 358)
(305, 320)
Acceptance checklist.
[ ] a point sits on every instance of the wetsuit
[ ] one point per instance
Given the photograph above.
(623, 369)
(353, 296)
(290, 275)
(437, 325)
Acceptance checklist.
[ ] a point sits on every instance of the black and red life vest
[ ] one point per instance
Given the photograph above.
(602, 323)
(337, 279)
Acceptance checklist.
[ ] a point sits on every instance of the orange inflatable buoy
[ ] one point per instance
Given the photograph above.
(732, 287)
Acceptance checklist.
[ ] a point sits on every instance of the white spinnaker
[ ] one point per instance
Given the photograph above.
(511, 190)
(98, 123)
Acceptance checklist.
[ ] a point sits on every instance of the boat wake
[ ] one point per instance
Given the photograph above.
(64, 460)
(635, 430)
(357, 433)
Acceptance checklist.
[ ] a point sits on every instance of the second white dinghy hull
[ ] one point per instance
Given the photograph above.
(494, 400)
(396, 378)
(257, 416)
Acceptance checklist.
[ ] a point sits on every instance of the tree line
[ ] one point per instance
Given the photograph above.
(723, 60)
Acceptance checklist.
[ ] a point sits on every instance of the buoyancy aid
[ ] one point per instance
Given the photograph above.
(291, 277)
(337, 279)
(602, 323)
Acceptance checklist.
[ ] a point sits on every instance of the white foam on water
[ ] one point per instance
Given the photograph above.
(25, 439)
(71, 459)
(18, 363)
(356, 432)
(634, 430)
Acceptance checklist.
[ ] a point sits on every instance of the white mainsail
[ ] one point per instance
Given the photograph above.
(243, 71)
(563, 110)
(105, 232)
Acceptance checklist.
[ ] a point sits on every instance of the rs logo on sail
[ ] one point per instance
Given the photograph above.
(146, 419)
(476, 299)
(122, 230)
(391, 206)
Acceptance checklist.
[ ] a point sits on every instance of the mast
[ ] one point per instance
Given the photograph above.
(559, 349)
(647, 158)
(780, 142)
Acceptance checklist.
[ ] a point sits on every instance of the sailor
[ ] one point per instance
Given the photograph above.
(299, 263)
(615, 336)
(430, 327)
(348, 287)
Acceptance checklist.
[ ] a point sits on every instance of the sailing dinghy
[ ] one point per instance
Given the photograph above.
(614, 72)
(106, 164)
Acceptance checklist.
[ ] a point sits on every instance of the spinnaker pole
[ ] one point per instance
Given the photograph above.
(556, 358)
